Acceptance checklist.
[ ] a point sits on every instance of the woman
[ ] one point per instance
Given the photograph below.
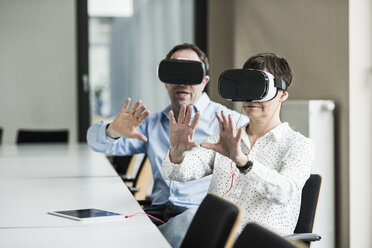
(262, 167)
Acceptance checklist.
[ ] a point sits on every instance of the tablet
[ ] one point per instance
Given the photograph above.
(87, 214)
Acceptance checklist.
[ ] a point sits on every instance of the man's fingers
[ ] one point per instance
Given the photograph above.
(195, 120)
(139, 111)
(134, 107)
(126, 104)
(143, 116)
(188, 115)
(140, 137)
(181, 115)
(171, 117)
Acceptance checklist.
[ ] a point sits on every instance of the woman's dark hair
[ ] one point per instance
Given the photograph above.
(270, 62)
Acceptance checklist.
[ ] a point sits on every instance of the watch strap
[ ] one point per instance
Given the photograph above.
(245, 167)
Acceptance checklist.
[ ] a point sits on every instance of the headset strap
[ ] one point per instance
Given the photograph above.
(280, 84)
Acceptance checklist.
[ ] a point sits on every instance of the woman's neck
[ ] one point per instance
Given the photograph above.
(258, 128)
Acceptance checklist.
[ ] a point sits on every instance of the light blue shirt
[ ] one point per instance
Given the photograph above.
(156, 128)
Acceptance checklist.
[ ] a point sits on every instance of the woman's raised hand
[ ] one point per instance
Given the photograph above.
(229, 143)
(181, 133)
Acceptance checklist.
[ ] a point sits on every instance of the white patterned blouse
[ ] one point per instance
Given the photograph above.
(270, 193)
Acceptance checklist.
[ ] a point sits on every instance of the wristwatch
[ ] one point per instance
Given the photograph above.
(247, 167)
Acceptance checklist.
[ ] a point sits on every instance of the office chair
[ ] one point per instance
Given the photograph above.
(138, 183)
(214, 224)
(42, 136)
(120, 163)
(1, 135)
(309, 203)
(256, 236)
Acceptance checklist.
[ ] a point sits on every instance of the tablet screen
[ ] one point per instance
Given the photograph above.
(85, 214)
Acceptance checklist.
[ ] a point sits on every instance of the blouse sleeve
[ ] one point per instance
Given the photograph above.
(197, 163)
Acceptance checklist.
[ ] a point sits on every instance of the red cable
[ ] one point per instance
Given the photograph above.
(149, 215)
(254, 142)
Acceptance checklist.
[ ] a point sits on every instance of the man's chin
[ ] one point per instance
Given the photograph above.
(179, 102)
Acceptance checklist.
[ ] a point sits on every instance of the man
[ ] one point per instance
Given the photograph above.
(134, 131)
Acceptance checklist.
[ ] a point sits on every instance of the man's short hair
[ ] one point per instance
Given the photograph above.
(202, 56)
(272, 63)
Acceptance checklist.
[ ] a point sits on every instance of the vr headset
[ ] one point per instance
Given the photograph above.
(246, 85)
(179, 71)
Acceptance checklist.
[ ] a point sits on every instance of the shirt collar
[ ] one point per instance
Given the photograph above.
(277, 133)
(200, 105)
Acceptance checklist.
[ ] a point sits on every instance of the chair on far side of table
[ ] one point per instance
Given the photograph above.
(25, 136)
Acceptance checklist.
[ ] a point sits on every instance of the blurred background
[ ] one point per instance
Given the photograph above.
(67, 64)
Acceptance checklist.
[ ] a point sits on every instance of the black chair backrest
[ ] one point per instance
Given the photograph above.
(309, 202)
(214, 223)
(256, 236)
(42, 136)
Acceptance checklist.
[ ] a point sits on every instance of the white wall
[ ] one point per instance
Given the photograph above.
(360, 94)
(37, 66)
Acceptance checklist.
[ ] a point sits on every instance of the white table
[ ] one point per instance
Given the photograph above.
(37, 179)
(30, 161)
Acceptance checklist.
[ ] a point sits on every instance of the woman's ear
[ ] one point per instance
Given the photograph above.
(284, 96)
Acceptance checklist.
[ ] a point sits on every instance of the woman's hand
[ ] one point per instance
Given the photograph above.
(181, 133)
(229, 143)
(126, 123)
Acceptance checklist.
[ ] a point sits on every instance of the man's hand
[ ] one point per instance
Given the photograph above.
(126, 123)
(229, 143)
(181, 133)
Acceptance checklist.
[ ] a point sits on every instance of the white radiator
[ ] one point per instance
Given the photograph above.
(314, 119)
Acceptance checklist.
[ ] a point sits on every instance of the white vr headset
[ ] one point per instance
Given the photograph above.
(246, 85)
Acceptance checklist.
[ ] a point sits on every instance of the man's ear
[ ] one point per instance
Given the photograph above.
(205, 81)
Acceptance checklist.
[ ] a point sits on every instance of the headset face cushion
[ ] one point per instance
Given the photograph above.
(178, 71)
(243, 85)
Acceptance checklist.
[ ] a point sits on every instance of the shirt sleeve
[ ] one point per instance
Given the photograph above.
(98, 141)
(197, 163)
(284, 185)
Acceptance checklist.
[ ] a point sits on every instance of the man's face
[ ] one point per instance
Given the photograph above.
(181, 93)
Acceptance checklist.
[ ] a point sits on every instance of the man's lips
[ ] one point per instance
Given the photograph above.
(181, 93)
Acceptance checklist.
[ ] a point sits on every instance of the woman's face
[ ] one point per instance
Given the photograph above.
(263, 110)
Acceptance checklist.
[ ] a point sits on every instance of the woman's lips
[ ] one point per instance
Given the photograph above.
(251, 106)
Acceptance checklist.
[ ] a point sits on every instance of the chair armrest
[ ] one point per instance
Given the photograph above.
(126, 178)
(134, 190)
(306, 237)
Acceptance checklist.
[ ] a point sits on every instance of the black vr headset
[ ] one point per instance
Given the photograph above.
(246, 85)
(179, 71)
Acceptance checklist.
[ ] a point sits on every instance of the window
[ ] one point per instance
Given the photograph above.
(127, 40)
